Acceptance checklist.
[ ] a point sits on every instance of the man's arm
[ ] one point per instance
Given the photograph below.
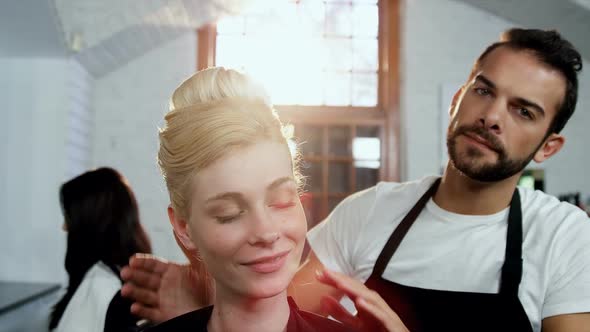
(567, 323)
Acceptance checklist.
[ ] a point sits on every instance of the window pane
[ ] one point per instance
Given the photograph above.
(366, 131)
(337, 89)
(303, 51)
(339, 54)
(332, 202)
(229, 51)
(364, 89)
(366, 177)
(365, 20)
(365, 57)
(312, 93)
(278, 18)
(312, 14)
(338, 177)
(366, 148)
(233, 25)
(310, 138)
(313, 176)
(338, 140)
(338, 19)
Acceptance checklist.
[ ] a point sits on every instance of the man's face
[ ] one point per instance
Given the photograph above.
(501, 117)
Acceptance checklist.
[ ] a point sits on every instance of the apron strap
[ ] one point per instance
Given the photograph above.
(512, 269)
(398, 235)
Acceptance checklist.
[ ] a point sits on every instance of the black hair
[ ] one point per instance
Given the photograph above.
(102, 222)
(553, 50)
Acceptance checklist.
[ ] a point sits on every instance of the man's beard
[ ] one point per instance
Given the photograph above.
(502, 169)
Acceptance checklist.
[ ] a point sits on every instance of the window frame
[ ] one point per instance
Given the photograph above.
(385, 114)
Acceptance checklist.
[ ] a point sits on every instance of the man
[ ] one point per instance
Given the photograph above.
(469, 251)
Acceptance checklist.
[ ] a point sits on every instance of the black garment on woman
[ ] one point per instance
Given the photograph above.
(299, 321)
(119, 317)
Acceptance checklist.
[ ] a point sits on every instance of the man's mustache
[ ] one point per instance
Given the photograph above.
(491, 140)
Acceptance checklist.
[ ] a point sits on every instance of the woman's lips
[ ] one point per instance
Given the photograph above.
(268, 264)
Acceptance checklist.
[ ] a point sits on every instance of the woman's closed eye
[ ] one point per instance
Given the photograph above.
(229, 217)
(282, 205)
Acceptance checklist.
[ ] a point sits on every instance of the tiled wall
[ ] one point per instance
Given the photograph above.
(130, 104)
(41, 149)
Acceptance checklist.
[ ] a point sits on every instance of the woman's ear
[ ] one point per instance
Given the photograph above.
(551, 146)
(181, 231)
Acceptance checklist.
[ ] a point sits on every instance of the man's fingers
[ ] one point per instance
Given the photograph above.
(381, 313)
(350, 286)
(148, 263)
(371, 309)
(140, 295)
(333, 308)
(141, 279)
(148, 313)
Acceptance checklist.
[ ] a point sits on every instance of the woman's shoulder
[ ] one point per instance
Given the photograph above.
(193, 321)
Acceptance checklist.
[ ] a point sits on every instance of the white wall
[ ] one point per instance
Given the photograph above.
(37, 96)
(130, 105)
(441, 39)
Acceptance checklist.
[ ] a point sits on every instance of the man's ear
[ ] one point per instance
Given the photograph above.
(551, 146)
(181, 231)
(456, 99)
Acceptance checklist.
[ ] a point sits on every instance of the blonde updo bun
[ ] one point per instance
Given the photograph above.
(212, 113)
(216, 84)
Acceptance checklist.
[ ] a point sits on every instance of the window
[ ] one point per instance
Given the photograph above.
(331, 67)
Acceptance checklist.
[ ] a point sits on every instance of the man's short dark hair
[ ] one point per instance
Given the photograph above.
(553, 50)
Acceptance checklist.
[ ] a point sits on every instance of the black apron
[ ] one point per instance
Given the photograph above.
(436, 310)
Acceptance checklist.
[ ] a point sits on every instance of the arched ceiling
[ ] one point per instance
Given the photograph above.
(106, 34)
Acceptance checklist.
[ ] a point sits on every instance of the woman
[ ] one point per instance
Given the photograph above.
(103, 232)
(234, 191)
(234, 201)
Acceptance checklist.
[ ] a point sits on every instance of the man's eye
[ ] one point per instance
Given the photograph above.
(482, 91)
(525, 113)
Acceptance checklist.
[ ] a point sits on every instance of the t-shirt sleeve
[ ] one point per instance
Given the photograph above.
(335, 239)
(568, 290)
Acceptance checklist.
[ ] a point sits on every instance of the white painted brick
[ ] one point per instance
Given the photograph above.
(130, 105)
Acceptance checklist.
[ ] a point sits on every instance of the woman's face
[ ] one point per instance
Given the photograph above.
(247, 221)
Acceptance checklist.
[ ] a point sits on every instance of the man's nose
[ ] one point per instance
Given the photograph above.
(493, 115)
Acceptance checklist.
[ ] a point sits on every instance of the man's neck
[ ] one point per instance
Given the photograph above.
(235, 313)
(459, 194)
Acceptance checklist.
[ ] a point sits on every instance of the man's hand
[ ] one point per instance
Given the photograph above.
(374, 313)
(162, 290)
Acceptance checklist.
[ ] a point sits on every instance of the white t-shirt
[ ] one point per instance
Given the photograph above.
(448, 251)
(87, 309)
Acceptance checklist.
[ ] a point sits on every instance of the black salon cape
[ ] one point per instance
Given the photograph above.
(299, 321)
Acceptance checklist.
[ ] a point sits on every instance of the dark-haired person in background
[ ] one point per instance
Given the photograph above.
(470, 251)
(101, 219)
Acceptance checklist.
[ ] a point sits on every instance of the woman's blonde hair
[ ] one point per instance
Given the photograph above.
(212, 113)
